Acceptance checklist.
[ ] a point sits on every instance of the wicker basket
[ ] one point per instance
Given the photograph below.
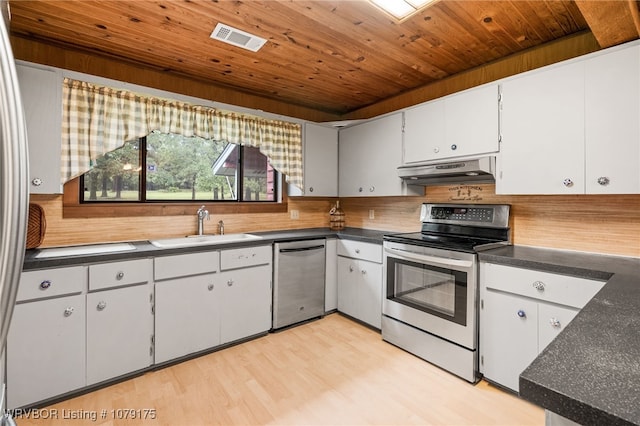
(36, 227)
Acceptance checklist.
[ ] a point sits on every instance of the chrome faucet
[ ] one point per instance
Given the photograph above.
(202, 214)
(221, 227)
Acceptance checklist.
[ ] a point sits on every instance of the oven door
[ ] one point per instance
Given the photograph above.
(433, 290)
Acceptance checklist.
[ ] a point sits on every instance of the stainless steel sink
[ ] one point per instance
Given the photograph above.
(83, 250)
(203, 240)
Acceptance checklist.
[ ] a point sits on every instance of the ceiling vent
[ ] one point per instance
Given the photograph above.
(237, 37)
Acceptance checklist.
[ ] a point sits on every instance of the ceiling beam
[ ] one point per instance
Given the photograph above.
(612, 22)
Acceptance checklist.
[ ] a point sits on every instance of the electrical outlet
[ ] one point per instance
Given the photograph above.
(372, 214)
(295, 214)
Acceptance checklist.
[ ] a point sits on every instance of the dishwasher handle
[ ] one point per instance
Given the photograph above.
(293, 250)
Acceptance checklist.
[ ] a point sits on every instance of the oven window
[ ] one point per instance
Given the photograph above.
(438, 291)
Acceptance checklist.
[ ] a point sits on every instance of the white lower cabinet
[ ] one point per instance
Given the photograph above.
(246, 307)
(187, 316)
(246, 293)
(119, 332)
(521, 312)
(46, 350)
(360, 281)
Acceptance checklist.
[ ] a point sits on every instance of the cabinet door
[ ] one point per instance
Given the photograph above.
(348, 280)
(45, 350)
(370, 154)
(320, 161)
(187, 316)
(119, 332)
(612, 108)
(508, 336)
(245, 303)
(370, 293)
(41, 92)
(471, 122)
(542, 150)
(424, 132)
(552, 320)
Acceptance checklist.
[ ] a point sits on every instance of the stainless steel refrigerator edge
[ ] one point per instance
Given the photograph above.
(298, 276)
(14, 191)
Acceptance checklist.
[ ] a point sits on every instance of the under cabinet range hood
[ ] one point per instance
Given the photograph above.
(479, 169)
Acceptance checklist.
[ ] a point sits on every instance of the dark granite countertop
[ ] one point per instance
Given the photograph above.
(591, 372)
(146, 249)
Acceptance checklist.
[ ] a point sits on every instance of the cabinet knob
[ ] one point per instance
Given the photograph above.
(364, 272)
(119, 275)
(436, 150)
(311, 189)
(454, 147)
(357, 251)
(567, 183)
(555, 322)
(101, 305)
(230, 283)
(522, 314)
(360, 189)
(350, 268)
(210, 287)
(603, 180)
(36, 181)
(372, 189)
(45, 284)
(68, 311)
(538, 285)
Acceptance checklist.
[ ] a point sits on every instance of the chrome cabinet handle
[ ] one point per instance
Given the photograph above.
(567, 183)
(68, 311)
(555, 322)
(538, 285)
(454, 147)
(119, 275)
(101, 305)
(522, 314)
(45, 284)
(603, 180)
(210, 287)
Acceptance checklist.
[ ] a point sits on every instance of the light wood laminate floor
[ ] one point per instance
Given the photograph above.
(331, 371)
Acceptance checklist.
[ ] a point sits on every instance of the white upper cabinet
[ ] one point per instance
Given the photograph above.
(573, 128)
(320, 162)
(463, 124)
(612, 119)
(369, 155)
(542, 150)
(41, 91)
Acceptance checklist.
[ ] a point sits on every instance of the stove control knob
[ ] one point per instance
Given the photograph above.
(522, 314)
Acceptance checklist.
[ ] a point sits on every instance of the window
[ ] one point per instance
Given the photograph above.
(172, 168)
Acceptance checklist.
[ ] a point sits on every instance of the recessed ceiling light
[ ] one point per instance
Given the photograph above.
(401, 9)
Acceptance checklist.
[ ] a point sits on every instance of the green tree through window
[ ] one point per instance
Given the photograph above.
(177, 168)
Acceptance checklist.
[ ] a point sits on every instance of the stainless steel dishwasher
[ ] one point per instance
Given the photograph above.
(298, 276)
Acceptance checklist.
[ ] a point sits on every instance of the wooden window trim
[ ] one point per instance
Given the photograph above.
(73, 209)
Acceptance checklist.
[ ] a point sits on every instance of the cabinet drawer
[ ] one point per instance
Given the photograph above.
(117, 274)
(52, 282)
(562, 289)
(186, 264)
(360, 250)
(243, 257)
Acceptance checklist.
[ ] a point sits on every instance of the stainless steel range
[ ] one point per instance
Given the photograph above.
(431, 298)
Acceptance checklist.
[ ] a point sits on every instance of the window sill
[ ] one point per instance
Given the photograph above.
(73, 209)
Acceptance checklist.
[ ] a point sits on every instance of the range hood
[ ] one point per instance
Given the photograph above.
(480, 169)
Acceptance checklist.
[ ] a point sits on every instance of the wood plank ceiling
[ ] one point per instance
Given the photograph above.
(329, 55)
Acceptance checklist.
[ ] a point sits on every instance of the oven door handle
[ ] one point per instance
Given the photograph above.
(424, 258)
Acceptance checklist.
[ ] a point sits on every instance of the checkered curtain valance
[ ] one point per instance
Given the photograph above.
(97, 120)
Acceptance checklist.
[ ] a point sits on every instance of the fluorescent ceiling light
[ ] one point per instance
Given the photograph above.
(400, 9)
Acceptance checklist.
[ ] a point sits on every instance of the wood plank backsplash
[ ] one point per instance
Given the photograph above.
(592, 223)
